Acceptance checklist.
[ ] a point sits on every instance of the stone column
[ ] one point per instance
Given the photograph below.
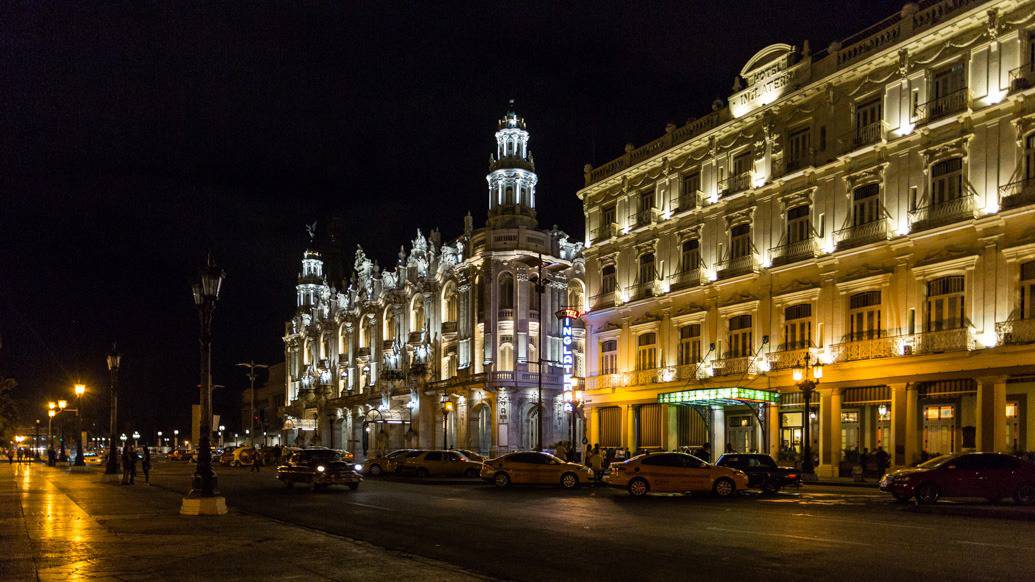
(897, 440)
(829, 433)
(718, 436)
(913, 429)
(628, 436)
(670, 427)
(991, 414)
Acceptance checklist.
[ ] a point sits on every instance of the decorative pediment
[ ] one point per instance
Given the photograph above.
(948, 149)
(865, 176)
(798, 198)
(690, 233)
(738, 217)
(645, 319)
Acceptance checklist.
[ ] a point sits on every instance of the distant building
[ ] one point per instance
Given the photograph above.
(442, 349)
(870, 206)
(269, 399)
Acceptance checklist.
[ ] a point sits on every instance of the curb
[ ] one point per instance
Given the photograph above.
(1016, 513)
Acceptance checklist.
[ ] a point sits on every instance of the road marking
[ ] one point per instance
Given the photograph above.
(789, 536)
(371, 506)
(989, 545)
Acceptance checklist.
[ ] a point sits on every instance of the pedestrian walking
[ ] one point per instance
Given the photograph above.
(51, 456)
(706, 452)
(133, 458)
(256, 461)
(596, 462)
(882, 460)
(126, 463)
(560, 451)
(145, 464)
(276, 455)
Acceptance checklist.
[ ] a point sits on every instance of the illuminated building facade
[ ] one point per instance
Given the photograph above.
(871, 205)
(446, 344)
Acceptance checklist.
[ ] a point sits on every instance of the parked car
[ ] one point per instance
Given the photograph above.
(438, 463)
(534, 468)
(674, 473)
(762, 471)
(319, 468)
(376, 466)
(478, 457)
(989, 475)
(180, 455)
(227, 457)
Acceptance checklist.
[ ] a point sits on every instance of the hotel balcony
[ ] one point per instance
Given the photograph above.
(737, 266)
(789, 356)
(642, 291)
(866, 348)
(794, 252)
(603, 300)
(643, 218)
(686, 279)
(363, 352)
(940, 107)
(1023, 77)
(1018, 331)
(605, 232)
(867, 135)
(687, 201)
(733, 366)
(449, 327)
(734, 184)
(1017, 194)
(505, 313)
(947, 340)
(861, 234)
(948, 212)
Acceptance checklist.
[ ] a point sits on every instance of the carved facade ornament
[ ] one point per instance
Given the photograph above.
(738, 217)
(798, 198)
(693, 232)
(992, 24)
(950, 149)
(865, 176)
(903, 63)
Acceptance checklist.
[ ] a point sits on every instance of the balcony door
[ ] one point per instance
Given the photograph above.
(864, 316)
(946, 181)
(866, 204)
(945, 304)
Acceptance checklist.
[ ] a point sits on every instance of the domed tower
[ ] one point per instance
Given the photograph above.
(311, 280)
(512, 177)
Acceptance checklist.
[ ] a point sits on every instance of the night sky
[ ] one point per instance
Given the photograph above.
(134, 140)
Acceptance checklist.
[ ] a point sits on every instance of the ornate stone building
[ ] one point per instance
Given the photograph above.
(443, 349)
(870, 205)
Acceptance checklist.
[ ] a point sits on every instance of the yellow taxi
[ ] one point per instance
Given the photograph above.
(674, 473)
(534, 468)
(438, 463)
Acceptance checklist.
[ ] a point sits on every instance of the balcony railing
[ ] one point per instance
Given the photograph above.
(652, 376)
(788, 358)
(602, 381)
(736, 266)
(734, 184)
(642, 217)
(362, 352)
(795, 164)
(416, 337)
(533, 315)
(1023, 77)
(506, 313)
(643, 290)
(943, 213)
(687, 371)
(947, 340)
(604, 232)
(1018, 331)
(866, 135)
(602, 300)
(861, 234)
(864, 348)
(449, 327)
(732, 366)
(940, 107)
(687, 201)
(1017, 194)
(688, 278)
(795, 251)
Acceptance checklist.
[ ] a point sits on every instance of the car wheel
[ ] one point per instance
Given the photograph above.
(502, 480)
(1025, 494)
(771, 487)
(638, 487)
(569, 480)
(471, 473)
(353, 486)
(927, 493)
(724, 487)
(422, 472)
(375, 470)
(900, 497)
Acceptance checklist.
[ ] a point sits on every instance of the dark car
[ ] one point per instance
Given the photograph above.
(762, 471)
(989, 475)
(319, 468)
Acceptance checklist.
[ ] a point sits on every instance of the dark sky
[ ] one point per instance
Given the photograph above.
(133, 140)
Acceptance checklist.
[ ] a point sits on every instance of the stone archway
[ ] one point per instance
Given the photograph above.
(481, 428)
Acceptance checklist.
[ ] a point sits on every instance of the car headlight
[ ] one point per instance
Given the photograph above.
(321, 468)
(358, 467)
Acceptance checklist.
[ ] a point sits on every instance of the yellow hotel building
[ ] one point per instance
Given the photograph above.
(871, 205)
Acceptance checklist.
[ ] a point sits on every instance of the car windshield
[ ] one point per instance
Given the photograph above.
(937, 461)
(320, 456)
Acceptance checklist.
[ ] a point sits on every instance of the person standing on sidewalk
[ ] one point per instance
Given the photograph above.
(257, 460)
(146, 465)
(126, 462)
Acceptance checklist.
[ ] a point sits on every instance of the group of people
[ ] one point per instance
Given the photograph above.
(593, 457)
(21, 454)
(129, 458)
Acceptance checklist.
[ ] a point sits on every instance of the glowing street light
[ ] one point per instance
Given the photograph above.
(807, 376)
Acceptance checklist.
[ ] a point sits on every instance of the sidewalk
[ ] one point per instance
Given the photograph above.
(71, 526)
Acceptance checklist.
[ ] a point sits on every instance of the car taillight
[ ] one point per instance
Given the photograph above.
(792, 475)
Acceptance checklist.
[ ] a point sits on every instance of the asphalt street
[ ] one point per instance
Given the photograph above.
(599, 533)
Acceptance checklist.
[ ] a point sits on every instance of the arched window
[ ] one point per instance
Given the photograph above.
(575, 296)
(417, 317)
(449, 303)
(389, 325)
(506, 297)
(506, 363)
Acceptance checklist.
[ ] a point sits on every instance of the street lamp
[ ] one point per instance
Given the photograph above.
(252, 366)
(136, 439)
(447, 407)
(807, 377)
(114, 359)
(203, 497)
(221, 429)
(176, 437)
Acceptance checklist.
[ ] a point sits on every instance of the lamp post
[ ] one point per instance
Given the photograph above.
(136, 439)
(807, 377)
(176, 438)
(447, 407)
(221, 429)
(252, 366)
(111, 467)
(540, 288)
(36, 440)
(574, 400)
(204, 483)
(80, 389)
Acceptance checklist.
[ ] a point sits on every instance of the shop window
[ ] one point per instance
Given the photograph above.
(647, 351)
(689, 344)
(939, 412)
(740, 337)
(609, 357)
(864, 316)
(797, 327)
(945, 304)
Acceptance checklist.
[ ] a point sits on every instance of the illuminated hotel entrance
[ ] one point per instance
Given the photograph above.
(736, 419)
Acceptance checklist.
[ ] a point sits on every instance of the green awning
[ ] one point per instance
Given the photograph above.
(719, 396)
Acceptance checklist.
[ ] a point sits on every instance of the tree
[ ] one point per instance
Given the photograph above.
(8, 410)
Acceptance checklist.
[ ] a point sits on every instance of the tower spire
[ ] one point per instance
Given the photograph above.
(512, 178)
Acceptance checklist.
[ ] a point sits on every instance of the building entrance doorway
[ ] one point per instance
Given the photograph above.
(483, 429)
(741, 434)
(531, 433)
(939, 429)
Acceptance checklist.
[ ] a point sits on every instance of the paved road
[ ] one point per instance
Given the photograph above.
(549, 534)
